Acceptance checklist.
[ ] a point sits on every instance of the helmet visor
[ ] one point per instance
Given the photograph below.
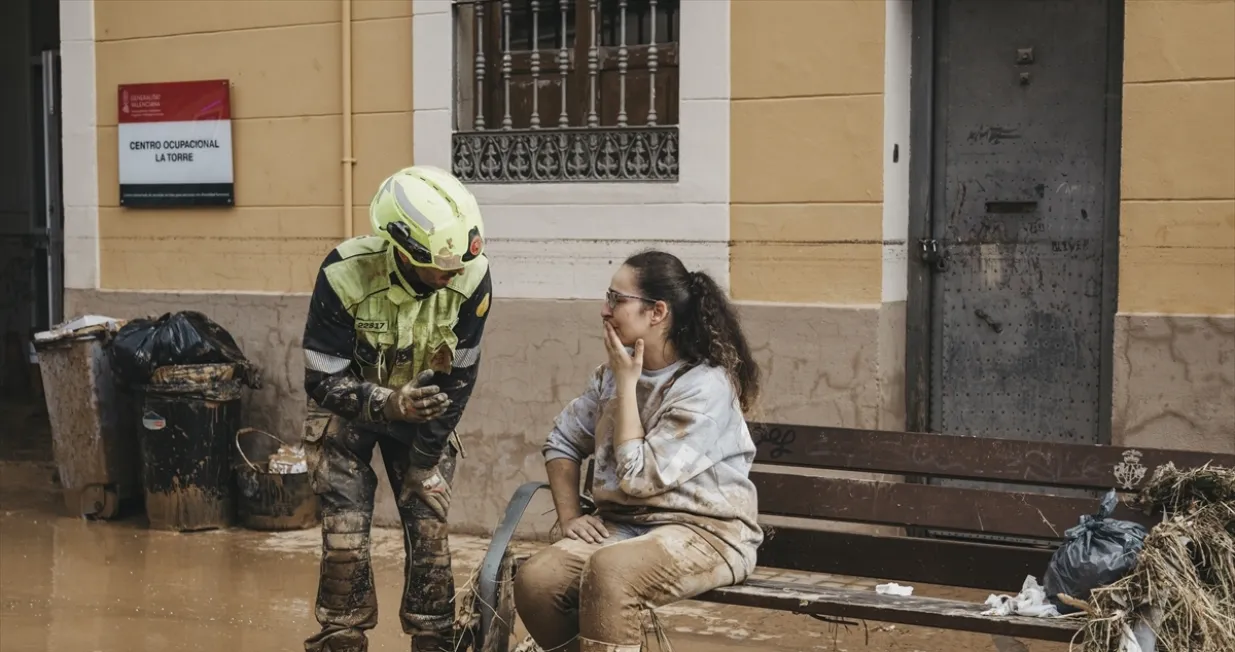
(403, 237)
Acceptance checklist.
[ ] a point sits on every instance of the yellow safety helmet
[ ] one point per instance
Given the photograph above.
(430, 216)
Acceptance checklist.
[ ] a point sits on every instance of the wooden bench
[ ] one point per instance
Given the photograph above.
(1056, 485)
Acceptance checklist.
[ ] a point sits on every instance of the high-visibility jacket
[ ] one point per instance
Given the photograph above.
(373, 326)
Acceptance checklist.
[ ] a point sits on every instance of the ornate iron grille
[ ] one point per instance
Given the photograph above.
(566, 90)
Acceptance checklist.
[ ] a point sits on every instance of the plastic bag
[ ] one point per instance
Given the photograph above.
(1095, 553)
(182, 338)
(1031, 601)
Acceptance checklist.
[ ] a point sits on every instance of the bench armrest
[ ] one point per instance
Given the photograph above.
(490, 568)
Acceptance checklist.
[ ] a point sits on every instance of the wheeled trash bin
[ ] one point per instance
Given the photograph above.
(94, 439)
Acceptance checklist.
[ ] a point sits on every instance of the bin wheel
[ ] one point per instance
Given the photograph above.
(111, 504)
(100, 502)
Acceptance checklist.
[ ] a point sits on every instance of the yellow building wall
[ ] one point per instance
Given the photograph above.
(1177, 227)
(806, 143)
(284, 61)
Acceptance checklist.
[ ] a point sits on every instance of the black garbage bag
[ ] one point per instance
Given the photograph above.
(182, 338)
(1095, 553)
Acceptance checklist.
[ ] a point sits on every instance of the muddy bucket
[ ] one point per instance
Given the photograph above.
(272, 483)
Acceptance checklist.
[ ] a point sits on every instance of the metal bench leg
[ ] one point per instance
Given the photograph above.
(494, 599)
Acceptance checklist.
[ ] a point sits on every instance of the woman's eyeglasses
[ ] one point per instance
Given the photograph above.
(613, 298)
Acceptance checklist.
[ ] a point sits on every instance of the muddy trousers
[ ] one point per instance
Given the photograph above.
(576, 596)
(343, 478)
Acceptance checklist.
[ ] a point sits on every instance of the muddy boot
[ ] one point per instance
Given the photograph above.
(444, 642)
(588, 645)
(346, 605)
(338, 641)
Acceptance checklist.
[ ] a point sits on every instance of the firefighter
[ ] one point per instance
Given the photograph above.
(391, 352)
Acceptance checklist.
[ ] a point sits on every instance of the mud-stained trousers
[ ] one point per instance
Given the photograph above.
(576, 596)
(344, 480)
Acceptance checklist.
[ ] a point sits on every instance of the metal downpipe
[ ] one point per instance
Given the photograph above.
(348, 161)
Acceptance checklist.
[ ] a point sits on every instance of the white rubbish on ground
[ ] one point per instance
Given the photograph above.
(892, 588)
(289, 459)
(81, 323)
(1031, 601)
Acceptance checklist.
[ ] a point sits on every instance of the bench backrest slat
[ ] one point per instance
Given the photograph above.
(965, 457)
(899, 559)
(983, 511)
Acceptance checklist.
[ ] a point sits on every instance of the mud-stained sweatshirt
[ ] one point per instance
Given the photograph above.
(692, 467)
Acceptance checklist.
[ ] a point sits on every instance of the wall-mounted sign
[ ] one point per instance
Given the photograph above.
(176, 144)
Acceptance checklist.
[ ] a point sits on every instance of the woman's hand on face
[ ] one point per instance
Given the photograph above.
(626, 368)
(586, 528)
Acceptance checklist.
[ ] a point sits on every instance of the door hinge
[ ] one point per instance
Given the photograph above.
(931, 253)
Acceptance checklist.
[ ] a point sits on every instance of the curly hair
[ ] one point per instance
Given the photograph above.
(704, 326)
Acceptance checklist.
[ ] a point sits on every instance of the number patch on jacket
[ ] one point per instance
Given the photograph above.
(371, 326)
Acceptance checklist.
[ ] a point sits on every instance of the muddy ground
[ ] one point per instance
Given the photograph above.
(69, 585)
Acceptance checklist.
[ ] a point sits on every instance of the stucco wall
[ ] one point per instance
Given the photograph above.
(1175, 334)
(1178, 224)
(811, 146)
(814, 122)
(283, 58)
(807, 136)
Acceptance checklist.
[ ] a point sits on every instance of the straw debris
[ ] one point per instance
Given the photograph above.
(1184, 573)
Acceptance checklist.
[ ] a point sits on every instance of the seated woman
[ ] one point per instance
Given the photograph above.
(676, 510)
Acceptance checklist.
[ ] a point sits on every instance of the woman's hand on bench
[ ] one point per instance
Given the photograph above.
(586, 528)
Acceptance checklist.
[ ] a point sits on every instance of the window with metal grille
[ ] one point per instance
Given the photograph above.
(566, 90)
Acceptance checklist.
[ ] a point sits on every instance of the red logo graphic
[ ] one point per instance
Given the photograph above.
(474, 247)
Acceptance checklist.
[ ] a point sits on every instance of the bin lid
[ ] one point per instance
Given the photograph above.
(210, 381)
(84, 327)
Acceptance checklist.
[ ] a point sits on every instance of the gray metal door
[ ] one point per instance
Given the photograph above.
(1019, 226)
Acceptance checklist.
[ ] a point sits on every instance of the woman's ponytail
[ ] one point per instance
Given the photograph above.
(705, 325)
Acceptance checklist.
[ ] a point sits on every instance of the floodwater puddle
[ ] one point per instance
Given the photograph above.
(72, 585)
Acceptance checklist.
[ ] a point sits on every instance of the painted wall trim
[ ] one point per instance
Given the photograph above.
(1172, 315)
(1115, 35)
(205, 293)
(854, 307)
(563, 241)
(79, 145)
(744, 302)
(898, 39)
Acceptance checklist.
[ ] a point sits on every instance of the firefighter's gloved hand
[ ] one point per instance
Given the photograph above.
(417, 401)
(429, 487)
